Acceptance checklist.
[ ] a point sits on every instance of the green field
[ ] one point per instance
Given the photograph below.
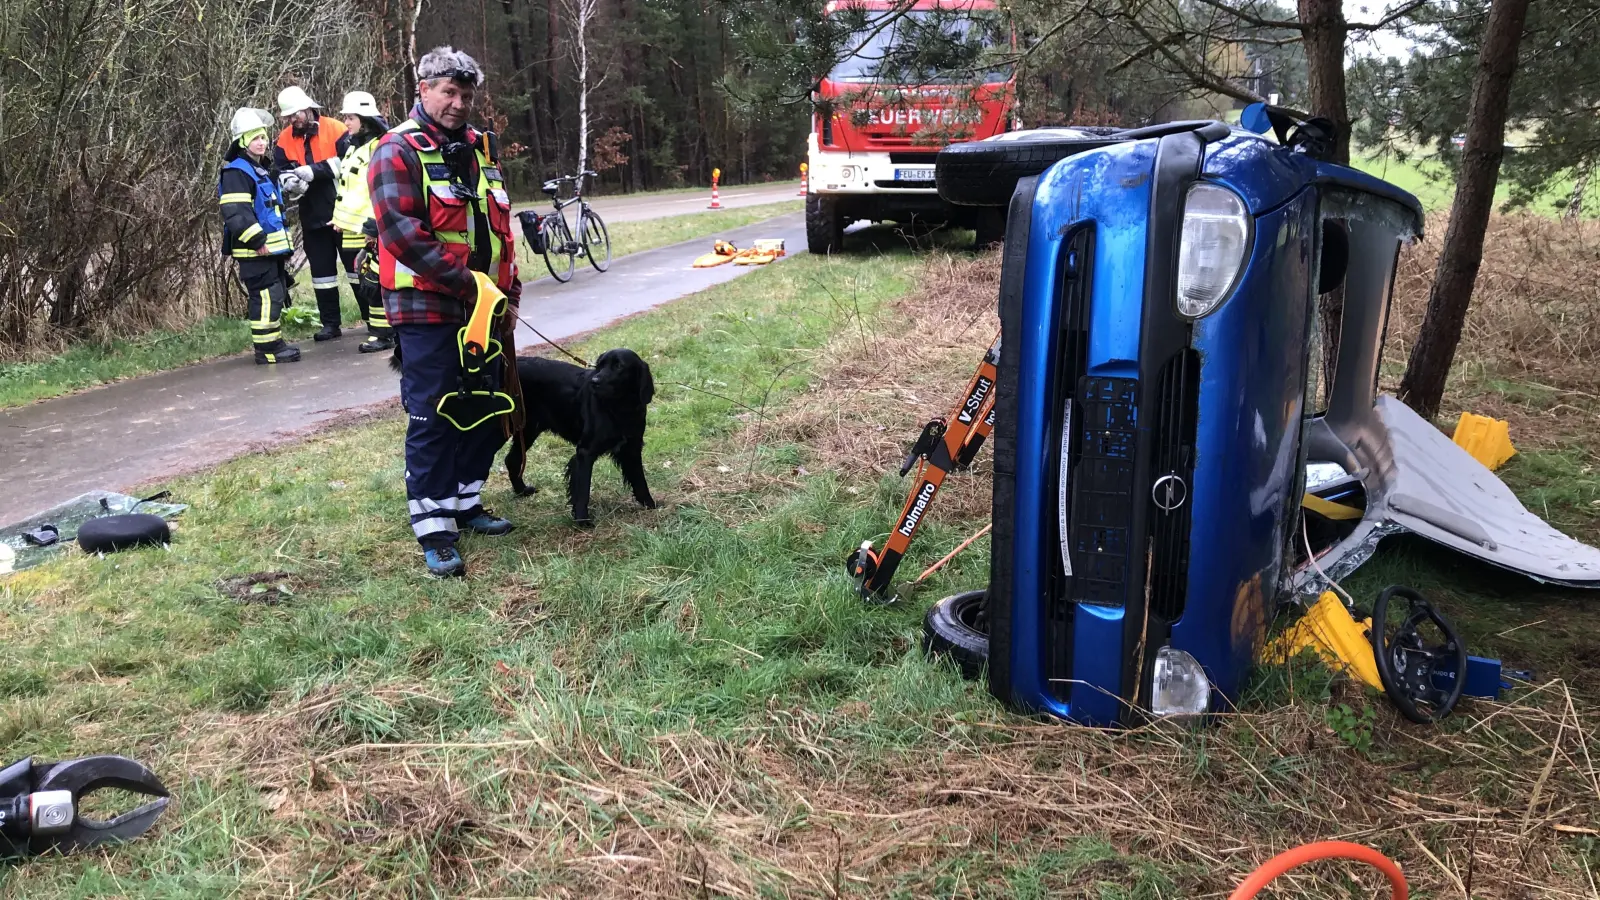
(1432, 183)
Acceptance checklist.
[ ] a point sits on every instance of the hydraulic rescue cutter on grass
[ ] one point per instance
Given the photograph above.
(946, 444)
(39, 804)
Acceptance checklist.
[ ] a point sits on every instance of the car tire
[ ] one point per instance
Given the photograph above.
(984, 173)
(953, 628)
(824, 225)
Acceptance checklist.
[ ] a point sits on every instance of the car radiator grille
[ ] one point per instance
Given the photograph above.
(1102, 490)
(1172, 479)
(1072, 348)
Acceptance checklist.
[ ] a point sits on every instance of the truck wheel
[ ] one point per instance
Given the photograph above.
(984, 173)
(990, 225)
(824, 225)
(955, 627)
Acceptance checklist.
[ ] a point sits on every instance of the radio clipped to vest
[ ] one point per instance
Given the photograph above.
(474, 402)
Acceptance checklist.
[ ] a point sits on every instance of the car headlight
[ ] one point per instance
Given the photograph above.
(1179, 686)
(1212, 249)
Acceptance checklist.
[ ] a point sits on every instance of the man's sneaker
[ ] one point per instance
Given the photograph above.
(328, 333)
(487, 523)
(444, 562)
(376, 344)
(281, 354)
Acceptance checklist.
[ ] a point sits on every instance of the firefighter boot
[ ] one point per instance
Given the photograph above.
(378, 340)
(280, 352)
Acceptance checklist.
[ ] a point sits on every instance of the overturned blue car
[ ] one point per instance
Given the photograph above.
(1162, 415)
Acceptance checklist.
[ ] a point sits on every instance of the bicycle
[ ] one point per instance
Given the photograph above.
(556, 237)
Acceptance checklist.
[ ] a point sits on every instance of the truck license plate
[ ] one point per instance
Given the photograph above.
(919, 173)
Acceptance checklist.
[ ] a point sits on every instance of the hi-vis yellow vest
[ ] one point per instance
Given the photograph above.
(354, 208)
(450, 216)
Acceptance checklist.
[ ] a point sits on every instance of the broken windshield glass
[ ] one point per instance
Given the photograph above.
(18, 552)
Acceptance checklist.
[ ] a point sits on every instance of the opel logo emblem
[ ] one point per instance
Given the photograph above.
(1169, 492)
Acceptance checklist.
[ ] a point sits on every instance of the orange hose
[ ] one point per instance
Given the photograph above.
(1299, 856)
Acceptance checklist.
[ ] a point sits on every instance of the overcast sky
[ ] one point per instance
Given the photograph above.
(1384, 43)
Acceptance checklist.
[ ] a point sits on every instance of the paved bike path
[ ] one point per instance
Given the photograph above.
(639, 207)
(137, 431)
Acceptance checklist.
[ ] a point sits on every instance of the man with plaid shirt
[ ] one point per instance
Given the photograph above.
(442, 213)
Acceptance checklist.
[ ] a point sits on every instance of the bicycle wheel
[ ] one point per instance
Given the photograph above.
(596, 241)
(559, 254)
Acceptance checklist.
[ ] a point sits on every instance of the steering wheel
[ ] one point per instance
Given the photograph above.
(1408, 658)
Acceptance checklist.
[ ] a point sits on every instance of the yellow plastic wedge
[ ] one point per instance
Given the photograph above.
(1488, 440)
(1328, 628)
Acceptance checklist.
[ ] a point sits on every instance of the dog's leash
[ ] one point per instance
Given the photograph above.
(570, 355)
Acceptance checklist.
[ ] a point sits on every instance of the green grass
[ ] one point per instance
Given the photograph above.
(701, 614)
(87, 365)
(1433, 185)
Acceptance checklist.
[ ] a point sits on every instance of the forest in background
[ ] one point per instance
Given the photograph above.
(113, 115)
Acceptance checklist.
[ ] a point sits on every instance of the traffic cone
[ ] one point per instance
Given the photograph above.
(715, 203)
(803, 169)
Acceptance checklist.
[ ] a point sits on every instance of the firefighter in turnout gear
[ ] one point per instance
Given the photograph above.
(353, 219)
(254, 232)
(308, 152)
(443, 215)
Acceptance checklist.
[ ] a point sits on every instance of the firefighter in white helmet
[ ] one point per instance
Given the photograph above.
(308, 149)
(254, 232)
(353, 219)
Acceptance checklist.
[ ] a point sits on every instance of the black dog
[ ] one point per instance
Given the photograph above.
(599, 411)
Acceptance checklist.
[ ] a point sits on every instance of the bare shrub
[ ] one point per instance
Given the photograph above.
(1532, 338)
(113, 121)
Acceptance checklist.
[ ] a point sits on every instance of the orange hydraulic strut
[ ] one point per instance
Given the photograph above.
(946, 444)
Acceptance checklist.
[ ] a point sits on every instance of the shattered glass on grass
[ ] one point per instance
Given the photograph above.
(16, 553)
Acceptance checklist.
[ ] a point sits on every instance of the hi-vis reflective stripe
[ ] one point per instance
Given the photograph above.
(235, 198)
(467, 495)
(332, 281)
(435, 525)
(266, 320)
(277, 242)
(428, 507)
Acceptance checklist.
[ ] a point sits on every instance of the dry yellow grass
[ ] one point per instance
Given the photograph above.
(1530, 351)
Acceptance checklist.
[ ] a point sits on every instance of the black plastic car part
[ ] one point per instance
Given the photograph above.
(986, 172)
(1408, 655)
(107, 534)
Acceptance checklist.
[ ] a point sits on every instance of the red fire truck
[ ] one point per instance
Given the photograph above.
(873, 142)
